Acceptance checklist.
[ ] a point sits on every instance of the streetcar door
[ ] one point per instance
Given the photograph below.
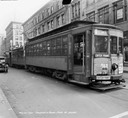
(78, 53)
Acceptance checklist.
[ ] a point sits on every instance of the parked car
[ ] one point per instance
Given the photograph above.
(3, 65)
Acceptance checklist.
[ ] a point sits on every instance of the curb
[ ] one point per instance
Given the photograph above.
(125, 71)
(5, 107)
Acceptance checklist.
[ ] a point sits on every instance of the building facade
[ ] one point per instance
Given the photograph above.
(49, 17)
(54, 14)
(14, 36)
(106, 11)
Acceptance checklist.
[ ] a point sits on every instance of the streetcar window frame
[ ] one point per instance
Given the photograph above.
(57, 46)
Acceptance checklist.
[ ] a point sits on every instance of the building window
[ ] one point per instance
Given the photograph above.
(58, 21)
(63, 18)
(42, 28)
(20, 44)
(21, 38)
(76, 10)
(17, 44)
(79, 9)
(73, 14)
(58, 6)
(90, 16)
(35, 21)
(103, 15)
(16, 38)
(51, 24)
(38, 19)
(39, 30)
(48, 12)
(42, 15)
(48, 25)
(52, 9)
(16, 32)
(35, 32)
(120, 11)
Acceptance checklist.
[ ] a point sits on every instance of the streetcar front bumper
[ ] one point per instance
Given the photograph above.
(112, 78)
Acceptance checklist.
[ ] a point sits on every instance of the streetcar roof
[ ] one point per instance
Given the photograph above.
(66, 27)
(107, 26)
(74, 24)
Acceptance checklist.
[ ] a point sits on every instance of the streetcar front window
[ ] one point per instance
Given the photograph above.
(101, 44)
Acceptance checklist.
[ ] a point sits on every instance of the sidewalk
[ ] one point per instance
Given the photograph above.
(5, 109)
(125, 67)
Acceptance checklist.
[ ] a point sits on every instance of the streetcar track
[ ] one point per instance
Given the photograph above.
(118, 97)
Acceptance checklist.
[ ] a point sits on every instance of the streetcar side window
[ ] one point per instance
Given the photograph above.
(37, 49)
(64, 45)
(53, 46)
(120, 45)
(44, 48)
(40, 49)
(113, 44)
(32, 50)
(48, 47)
(58, 46)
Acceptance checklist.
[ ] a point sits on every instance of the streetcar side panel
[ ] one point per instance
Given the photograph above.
(53, 62)
(48, 54)
(18, 58)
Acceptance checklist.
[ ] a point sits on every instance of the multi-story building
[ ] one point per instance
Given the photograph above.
(54, 15)
(14, 36)
(50, 16)
(106, 11)
(2, 46)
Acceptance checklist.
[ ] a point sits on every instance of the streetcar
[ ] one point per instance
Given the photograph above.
(18, 58)
(80, 52)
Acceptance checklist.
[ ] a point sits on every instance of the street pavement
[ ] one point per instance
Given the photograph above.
(5, 108)
(125, 68)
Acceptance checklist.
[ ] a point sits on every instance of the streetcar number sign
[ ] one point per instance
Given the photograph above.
(102, 77)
